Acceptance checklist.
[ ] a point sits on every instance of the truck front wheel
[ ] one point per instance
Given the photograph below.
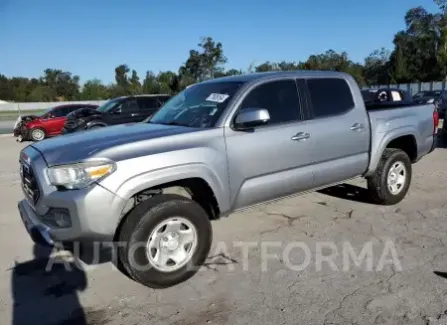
(164, 240)
(391, 181)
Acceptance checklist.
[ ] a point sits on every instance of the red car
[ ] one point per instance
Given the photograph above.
(47, 124)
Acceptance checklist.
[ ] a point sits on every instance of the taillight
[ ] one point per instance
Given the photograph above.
(435, 121)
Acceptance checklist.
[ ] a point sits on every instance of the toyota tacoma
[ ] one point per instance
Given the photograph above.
(217, 147)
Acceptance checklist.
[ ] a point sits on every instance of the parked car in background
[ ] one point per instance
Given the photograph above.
(436, 97)
(386, 97)
(79, 119)
(47, 124)
(121, 110)
(419, 94)
(225, 144)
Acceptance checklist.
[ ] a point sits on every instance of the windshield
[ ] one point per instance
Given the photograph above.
(200, 105)
(45, 112)
(107, 106)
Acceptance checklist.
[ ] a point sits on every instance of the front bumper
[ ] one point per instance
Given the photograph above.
(93, 212)
(94, 215)
(38, 232)
(23, 132)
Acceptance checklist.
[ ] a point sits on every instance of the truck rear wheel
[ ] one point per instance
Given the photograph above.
(392, 179)
(164, 240)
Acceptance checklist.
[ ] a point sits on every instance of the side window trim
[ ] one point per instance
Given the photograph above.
(304, 97)
(311, 105)
(255, 86)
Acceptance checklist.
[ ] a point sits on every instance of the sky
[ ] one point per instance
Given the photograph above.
(90, 38)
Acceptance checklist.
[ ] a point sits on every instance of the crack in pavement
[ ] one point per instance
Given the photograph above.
(347, 296)
(290, 222)
(344, 298)
(344, 215)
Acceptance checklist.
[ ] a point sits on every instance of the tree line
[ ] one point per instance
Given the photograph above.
(419, 54)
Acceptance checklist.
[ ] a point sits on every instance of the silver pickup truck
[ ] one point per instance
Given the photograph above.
(229, 144)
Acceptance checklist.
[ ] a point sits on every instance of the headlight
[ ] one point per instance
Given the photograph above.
(80, 175)
(430, 101)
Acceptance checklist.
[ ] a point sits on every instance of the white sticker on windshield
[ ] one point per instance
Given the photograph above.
(217, 98)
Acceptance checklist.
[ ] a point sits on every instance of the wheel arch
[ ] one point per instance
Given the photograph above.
(89, 125)
(402, 138)
(195, 188)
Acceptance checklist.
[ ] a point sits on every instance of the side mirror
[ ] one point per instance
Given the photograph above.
(251, 117)
(118, 111)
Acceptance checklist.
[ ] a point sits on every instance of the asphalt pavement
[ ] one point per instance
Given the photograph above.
(302, 260)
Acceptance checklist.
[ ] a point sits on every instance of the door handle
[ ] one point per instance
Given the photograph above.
(301, 136)
(134, 114)
(357, 127)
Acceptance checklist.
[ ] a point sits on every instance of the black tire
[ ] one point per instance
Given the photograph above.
(377, 183)
(33, 134)
(140, 223)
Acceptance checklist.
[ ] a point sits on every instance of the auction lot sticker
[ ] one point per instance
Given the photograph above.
(217, 98)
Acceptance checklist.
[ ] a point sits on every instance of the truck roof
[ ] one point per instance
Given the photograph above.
(270, 74)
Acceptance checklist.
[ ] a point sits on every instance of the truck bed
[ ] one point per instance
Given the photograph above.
(398, 119)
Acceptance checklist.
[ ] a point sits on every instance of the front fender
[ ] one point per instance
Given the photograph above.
(381, 141)
(154, 178)
(34, 124)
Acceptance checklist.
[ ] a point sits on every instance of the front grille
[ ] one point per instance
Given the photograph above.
(29, 183)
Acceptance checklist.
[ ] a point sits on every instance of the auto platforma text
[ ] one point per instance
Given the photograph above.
(246, 255)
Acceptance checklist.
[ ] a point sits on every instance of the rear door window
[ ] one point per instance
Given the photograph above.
(148, 103)
(129, 106)
(329, 96)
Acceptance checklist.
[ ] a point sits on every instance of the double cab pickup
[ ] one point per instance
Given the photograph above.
(229, 143)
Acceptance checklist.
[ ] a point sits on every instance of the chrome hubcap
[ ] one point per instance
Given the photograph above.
(396, 177)
(172, 244)
(38, 134)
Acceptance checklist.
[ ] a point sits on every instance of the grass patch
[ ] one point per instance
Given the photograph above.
(12, 115)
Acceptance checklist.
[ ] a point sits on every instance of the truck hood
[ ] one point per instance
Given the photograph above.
(113, 142)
